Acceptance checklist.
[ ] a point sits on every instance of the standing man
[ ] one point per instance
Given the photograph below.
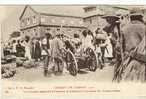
(14, 43)
(100, 45)
(86, 40)
(46, 48)
(56, 48)
(37, 50)
(20, 50)
(134, 49)
(27, 48)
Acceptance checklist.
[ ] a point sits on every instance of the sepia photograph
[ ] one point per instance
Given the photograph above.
(73, 43)
(100, 43)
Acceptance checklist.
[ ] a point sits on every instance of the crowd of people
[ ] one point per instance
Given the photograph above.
(29, 48)
(50, 45)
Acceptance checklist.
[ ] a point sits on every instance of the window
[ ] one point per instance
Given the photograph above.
(68, 30)
(72, 22)
(36, 34)
(48, 29)
(28, 21)
(80, 30)
(62, 21)
(42, 19)
(80, 22)
(90, 21)
(22, 22)
(34, 20)
(88, 9)
(58, 29)
(34, 30)
(53, 20)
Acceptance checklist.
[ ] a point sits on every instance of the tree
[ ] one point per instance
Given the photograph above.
(15, 34)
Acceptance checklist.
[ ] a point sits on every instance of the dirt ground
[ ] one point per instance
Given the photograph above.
(36, 75)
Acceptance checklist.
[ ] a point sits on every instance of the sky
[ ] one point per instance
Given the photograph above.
(9, 20)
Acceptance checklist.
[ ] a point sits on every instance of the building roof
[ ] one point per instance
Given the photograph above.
(54, 10)
(60, 15)
(70, 11)
(129, 7)
(106, 10)
(76, 11)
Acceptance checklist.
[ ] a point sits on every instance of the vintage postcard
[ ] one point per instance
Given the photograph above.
(73, 51)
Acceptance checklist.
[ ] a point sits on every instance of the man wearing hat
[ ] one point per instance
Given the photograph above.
(46, 51)
(55, 50)
(133, 34)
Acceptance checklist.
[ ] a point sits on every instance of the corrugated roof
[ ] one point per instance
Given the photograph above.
(60, 15)
(76, 11)
(129, 7)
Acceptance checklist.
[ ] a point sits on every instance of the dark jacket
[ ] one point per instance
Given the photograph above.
(36, 50)
(133, 34)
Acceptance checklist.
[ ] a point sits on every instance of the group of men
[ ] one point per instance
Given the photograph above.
(77, 45)
(128, 44)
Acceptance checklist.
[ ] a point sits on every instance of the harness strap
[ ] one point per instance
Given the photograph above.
(138, 57)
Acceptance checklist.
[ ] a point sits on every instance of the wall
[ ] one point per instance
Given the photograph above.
(32, 32)
(29, 21)
(64, 21)
(65, 30)
(94, 22)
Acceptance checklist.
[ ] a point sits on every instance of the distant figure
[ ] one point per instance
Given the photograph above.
(101, 37)
(45, 43)
(108, 50)
(14, 47)
(20, 49)
(56, 47)
(46, 52)
(86, 40)
(27, 47)
(37, 50)
(77, 42)
(2, 50)
(100, 46)
(90, 39)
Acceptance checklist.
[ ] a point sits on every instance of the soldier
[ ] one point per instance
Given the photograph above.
(133, 66)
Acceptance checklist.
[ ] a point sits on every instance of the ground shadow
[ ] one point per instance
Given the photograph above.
(82, 72)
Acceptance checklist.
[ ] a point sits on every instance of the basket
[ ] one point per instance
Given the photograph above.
(101, 36)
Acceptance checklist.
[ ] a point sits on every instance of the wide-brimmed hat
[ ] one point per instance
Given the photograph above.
(110, 16)
(136, 12)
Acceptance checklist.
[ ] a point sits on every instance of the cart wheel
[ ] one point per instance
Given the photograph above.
(92, 59)
(71, 63)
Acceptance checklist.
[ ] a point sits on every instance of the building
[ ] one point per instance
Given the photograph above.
(36, 24)
(93, 18)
